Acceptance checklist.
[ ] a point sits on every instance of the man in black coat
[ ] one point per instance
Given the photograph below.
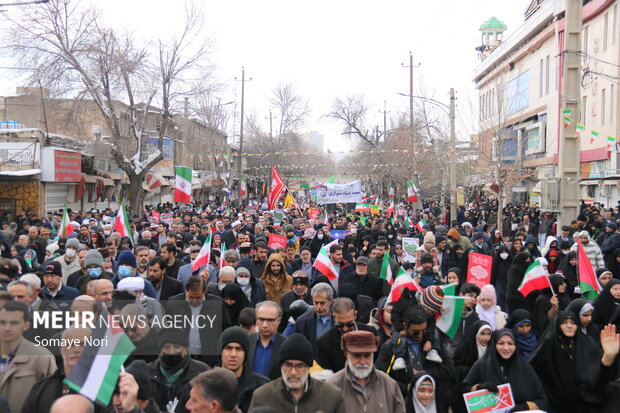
(265, 345)
(165, 287)
(300, 291)
(366, 284)
(329, 351)
(318, 321)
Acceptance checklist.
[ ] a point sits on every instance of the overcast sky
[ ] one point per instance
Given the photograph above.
(330, 49)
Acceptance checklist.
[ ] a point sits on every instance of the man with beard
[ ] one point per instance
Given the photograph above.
(142, 261)
(174, 368)
(296, 390)
(300, 291)
(362, 385)
(276, 280)
(329, 353)
(257, 263)
(165, 286)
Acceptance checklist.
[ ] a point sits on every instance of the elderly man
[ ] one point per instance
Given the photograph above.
(224, 277)
(134, 321)
(69, 261)
(214, 391)
(312, 325)
(265, 345)
(365, 388)
(23, 291)
(296, 390)
(102, 291)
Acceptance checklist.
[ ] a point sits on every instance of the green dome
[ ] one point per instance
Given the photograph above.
(493, 23)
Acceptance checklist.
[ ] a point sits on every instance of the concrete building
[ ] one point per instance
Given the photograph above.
(519, 80)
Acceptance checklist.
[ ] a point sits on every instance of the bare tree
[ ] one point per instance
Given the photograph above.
(352, 112)
(291, 109)
(67, 49)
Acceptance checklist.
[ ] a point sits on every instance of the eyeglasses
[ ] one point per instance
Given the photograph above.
(350, 324)
(297, 366)
(267, 320)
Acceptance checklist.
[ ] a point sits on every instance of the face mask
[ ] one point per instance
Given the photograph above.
(125, 271)
(243, 281)
(503, 255)
(94, 272)
(221, 287)
(319, 236)
(353, 231)
(172, 360)
(390, 236)
(565, 252)
(70, 252)
(107, 232)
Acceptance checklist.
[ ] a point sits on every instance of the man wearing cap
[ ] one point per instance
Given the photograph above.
(365, 388)
(68, 261)
(165, 286)
(174, 368)
(612, 239)
(93, 264)
(135, 287)
(366, 284)
(479, 246)
(296, 390)
(300, 291)
(54, 289)
(253, 288)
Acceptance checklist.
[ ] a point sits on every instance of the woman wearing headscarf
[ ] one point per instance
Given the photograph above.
(516, 247)
(568, 364)
(607, 305)
(551, 243)
(471, 348)
(488, 310)
(514, 299)
(455, 275)
(568, 268)
(501, 364)
(321, 238)
(520, 322)
(235, 301)
(381, 320)
(421, 397)
(550, 301)
(583, 309)
(604, 276)
(499, 274)
(613, 263)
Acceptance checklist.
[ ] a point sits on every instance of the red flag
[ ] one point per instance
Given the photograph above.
(277, 188)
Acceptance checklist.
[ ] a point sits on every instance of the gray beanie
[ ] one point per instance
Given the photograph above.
(73, 243)
(93, 257)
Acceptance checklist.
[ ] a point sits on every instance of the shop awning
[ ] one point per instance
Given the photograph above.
(21, 172)
(196, 183)
(114, 176)
(106, 181)
(90, 179)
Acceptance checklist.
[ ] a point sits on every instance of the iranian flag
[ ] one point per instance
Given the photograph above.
(96, 372)
(390, 210)
(243, 189)
(420, 224)
(386, 270)
(222, 252)
(580, 128)
(451, 314)
(588, 283)
(204, 254)
(412, 191)
(408, 222)
(183, 184)
(392, 191)
(403, 281)
(535, 278)
(121, 223)
(362, 207)
(323, 264)
(66, 228)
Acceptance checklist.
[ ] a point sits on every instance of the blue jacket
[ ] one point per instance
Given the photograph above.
(611, 243)
(64, 296)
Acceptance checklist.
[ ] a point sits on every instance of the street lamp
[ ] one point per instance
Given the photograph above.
(450, 111)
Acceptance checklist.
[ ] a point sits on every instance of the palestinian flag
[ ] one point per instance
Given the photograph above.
(323, 264)
(386, 270)
(121, 223)
(451, 314)
(66, 228)
(449, 289)
(390, 210)
(536, 278)
(588, 283)
(204, 255)
(420, 224)
(403, 281)
(392, 191)
(362, 207)
(408, 222)
(580, 128)
(96, 372)
(222, 251)
(183, 184)
(412, 191)
(243, 189)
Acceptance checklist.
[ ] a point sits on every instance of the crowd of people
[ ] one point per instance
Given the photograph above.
(288, 335)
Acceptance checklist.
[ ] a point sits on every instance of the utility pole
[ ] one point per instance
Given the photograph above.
(568, 163)
(411, 67)
(271, 118)
(240, 164)
(385, 112)
(452, 157)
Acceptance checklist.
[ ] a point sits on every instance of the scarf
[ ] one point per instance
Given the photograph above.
(171, 379)
(418, 406)
(526, 343)
(482, 349)
(487, 315)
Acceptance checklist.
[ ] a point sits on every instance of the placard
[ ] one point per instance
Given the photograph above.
(410, 246)
(155, 217)
(166, 218)
(482, 401)
(329, 193)
(479, 269)
(277, 241)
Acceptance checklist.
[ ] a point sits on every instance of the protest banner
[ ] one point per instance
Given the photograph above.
(166, 218)
(329, 193)
(155, 217)
(277, 241)
(479, 269)
(410, 246)
(483, 401)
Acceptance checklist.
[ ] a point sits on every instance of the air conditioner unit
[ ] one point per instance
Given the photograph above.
(550, 195)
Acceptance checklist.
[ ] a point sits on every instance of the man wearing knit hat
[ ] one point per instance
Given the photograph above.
(296, 390)
(174, 368)
(93, 264)
(365, 388)
(479, 246)
(68, 261)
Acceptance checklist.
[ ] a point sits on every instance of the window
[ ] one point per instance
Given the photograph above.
(547, 62)
(605, 30)
(540, 79)
(584, 102)
(518, 93)
(603, 99)
(611, 103)
(533, 141)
